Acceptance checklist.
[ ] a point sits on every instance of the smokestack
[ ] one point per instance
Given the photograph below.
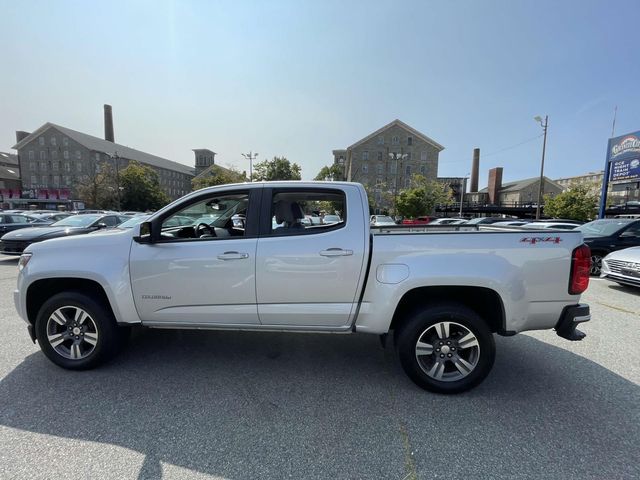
(108, 124)
(475, 166)
(20, 135)
(495, 184)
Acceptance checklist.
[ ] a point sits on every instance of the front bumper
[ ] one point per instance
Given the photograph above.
(570, 318)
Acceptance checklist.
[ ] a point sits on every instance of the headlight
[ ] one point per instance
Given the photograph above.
(24, 259)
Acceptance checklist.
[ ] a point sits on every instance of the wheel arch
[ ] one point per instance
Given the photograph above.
(41, 290)
(484, 301)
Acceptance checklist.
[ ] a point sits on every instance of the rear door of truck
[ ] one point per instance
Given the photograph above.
(310, 275)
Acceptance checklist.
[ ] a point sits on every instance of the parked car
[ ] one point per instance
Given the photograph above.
(550, 225)
(440, 294)
(448, 221)
(609, 235)
(622, 267)
(330, 219)
(381, 221)
(14, 243)
(15, 221)
(484, 220)
(50, 217)
(511, 223)
(417, 221)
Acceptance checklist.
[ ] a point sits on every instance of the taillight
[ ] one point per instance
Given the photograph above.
(580, 267)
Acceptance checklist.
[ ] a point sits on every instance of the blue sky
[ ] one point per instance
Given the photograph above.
(300, 78)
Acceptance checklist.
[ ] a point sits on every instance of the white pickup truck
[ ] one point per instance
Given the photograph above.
(248, 261)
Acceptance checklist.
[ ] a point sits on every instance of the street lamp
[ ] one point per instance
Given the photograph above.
(251, 157)
(116, 160)
(544, 126)
(396, 157)
(462, 187)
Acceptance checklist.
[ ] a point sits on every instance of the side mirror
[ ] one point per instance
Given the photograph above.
(144, 235)
(101, 226)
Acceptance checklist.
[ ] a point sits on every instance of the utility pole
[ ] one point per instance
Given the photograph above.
(116, 159)
(251, 157)
(544, 146)
(396, 157)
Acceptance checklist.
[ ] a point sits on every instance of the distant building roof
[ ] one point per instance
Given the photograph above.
(519, 185)
(212, 168)
(99, 145)
(9, 173)
(401, 124)
(8, 159)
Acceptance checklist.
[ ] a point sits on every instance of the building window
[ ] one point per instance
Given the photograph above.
(54, 165)
(32, 166)
(381, 140)
(97, 156)
(67, 180)
(43, 165)
(53, 141)
(407, 170)
(380, 169)
(365, 168)
(79, 167)
(78, 154)
(43, 155)
(31, 155)
(56, 180)
(34, 180)
(409, 156)
(423, 170)
(67, 167)
(407, 182)
(379, 156)
(45, 180)
(365, 156)
(395, 140)
(65, 154)
(65, 141)
(54, 154)
(41, 140)
(393, 166)
(409, 140)
(423, 156)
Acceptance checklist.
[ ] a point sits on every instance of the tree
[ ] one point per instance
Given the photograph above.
(218, 176)
(141, 188)
(277, 169)
(579, 202)
(422, 198)
(98, 188)
(332, 172)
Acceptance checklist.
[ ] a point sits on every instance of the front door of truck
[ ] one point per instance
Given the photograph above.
(200, 270)
(310, 258)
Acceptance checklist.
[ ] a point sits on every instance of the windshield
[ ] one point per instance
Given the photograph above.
(77, 221)
(132, 222)
(602, 228)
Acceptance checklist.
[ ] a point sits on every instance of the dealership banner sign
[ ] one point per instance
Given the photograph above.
(624, 158)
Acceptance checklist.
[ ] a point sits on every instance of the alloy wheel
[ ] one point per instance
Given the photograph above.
(72, 333)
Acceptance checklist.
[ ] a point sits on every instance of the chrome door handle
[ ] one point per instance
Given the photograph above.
(336, 252)
(233, 256)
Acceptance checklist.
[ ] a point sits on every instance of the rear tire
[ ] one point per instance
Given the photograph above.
(77, 332)
(446, 348)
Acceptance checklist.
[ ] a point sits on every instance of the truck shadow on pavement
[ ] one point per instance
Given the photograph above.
(261, 405)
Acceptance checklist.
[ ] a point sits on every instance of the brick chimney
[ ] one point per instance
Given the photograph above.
(108, 124)
(475, 166)
(495, 184)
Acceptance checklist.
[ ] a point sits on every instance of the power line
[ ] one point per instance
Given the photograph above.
(513, 146)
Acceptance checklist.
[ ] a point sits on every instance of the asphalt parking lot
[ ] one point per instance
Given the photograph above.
(255, 405)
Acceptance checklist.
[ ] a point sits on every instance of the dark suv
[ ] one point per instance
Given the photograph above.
(608, 235)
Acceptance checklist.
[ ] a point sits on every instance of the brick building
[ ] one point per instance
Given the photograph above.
(385, 160)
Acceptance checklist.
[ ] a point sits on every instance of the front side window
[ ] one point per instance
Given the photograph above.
(219, 217)
(303, 212)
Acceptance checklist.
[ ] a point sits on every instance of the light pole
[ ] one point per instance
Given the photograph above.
(462, 187)
(251, 157)
(116, 159)
(544, 126)
(396, 156)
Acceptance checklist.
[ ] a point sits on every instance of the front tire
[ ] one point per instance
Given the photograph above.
(446, 348)
(77, 332)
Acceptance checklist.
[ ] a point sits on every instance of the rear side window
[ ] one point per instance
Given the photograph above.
(19, 219)
(303, 212)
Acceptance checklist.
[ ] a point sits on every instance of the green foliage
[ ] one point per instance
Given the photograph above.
(141, 188)
(579, 202)
(277, 169)
(332, 172)
(422, 197)
(218, 176)
(98, 188)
